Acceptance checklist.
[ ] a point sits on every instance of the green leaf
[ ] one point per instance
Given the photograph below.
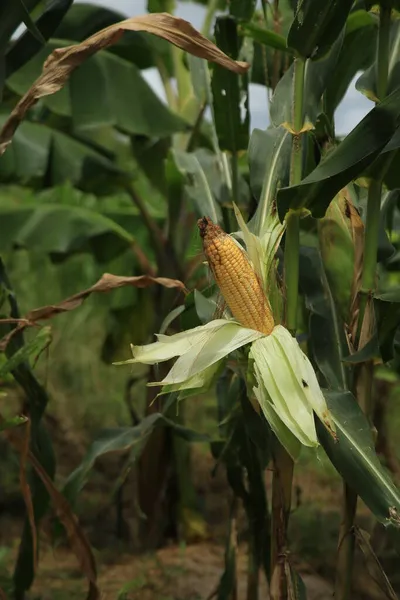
(265, 36)
(32, 349)
(44, 156)
(359, 19)
(317, 25)
(122, 439)
(61, 230)
(29, 23)
(269, 164)
(204, 181)
(367, 83)
(346, 162)
(11, 14)
(242, 9)
(94, 101)
(230, 91)
(317, 76)
(37, 399)
(354, 457)
(89, 95)
(359, 43)
(387, 308)
(326, 330)
(23, 49)
(13, 422)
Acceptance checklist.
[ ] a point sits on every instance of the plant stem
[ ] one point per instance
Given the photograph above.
(292, 243)
(344, 565)
(166, 81)
(182, 76)
(283, 464)
(370, 247)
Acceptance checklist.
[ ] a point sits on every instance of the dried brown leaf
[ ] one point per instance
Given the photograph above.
(106, 283)
(76, 536)
(63, 61)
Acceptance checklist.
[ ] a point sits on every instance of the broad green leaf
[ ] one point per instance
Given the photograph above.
(120, 440)
(230, 91)
(132, 111)
(316, 78)
(40, 155)
(89, 96)
(61, 231)
(22, 79)
(367, 83)
(265, 36)
(201, 170)
(31, 349)
(317, 25)
(354, 457)
(327, 340)
(346, 162)
(269, 163)
(359, 43)
(23, 49)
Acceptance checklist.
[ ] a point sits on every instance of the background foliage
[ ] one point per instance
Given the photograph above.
(103, 176)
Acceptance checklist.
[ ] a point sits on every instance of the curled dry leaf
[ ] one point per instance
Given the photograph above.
(76, 536)
(106, 283)
(63, 61)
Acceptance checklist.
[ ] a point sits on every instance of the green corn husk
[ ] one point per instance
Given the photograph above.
(340, 238)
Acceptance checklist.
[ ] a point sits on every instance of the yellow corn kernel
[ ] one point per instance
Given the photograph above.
(235, 277)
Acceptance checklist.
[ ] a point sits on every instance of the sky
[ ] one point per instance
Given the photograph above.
(350, 112)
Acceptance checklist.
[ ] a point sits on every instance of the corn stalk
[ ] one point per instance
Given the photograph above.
(283, 463)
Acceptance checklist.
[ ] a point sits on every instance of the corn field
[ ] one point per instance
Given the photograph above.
(215, 269)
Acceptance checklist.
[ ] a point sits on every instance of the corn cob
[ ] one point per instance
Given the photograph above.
(236, 278)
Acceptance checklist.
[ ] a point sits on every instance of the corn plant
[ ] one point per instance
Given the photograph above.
(298, 230)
